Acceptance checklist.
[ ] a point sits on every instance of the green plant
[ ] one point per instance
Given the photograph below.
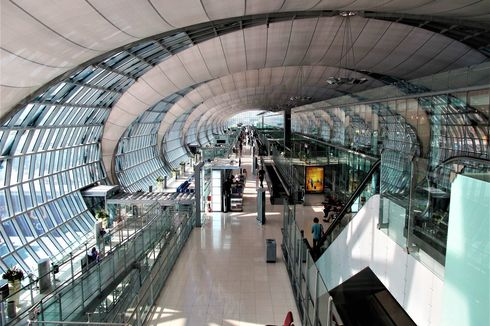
(101, 214)
(159, 178)
(13, 274)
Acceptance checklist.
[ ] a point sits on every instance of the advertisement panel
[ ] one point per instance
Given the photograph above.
(314, 179)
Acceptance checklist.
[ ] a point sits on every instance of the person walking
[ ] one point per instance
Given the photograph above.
(261, 177)
(317, 231)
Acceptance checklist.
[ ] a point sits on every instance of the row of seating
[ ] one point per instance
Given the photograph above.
(184, 186)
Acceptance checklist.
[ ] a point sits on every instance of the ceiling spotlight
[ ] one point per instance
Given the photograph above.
(347, 60)
(346, 80)
(347, 13)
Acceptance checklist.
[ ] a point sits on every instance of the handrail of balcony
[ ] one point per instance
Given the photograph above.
(69, 264)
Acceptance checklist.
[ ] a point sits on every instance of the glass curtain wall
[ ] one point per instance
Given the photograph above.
(424, 142)
(50, 149)
(136, 163)
(173, 148)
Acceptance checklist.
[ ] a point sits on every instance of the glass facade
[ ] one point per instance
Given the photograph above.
(423, 144)
(137, 163)
(50, 145)
(50, 150)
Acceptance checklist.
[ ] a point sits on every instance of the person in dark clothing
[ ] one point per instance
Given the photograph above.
(261, 176)
(93, 256)
(317, 231)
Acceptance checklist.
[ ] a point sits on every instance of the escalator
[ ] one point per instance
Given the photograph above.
(342, 219)
(364, 300)
(275, 185)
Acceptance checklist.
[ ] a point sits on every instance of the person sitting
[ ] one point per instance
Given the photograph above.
(93, 256)
(333, 213)
(326, 210)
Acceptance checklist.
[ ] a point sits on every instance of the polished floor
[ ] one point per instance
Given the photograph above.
(222, 277)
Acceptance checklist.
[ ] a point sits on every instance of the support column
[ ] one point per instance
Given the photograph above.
(200, 202)
(261, 205)
(287, 128)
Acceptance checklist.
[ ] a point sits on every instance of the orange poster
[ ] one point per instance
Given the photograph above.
(314, 178)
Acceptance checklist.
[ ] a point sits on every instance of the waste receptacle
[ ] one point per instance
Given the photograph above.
(11, 309)
(270, 250)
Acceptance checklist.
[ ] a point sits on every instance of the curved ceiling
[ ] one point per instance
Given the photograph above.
(381, 47)
(43, 41)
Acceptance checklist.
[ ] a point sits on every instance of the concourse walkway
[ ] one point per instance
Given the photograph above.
(221, 276)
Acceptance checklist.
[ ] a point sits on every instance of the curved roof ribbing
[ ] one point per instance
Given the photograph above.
(90, 71)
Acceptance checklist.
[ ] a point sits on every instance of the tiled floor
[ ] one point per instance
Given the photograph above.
(222, 278)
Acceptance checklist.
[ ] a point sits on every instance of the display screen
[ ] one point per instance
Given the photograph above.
(314, 179)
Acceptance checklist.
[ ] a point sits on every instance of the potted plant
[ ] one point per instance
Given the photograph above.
(160, 180)
(14, 275)
(103, 216)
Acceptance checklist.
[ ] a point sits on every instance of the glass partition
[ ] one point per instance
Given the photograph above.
(79, 281)
(315, 305)
(423, 143)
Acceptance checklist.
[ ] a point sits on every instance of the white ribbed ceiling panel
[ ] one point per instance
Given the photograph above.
(57, 36)
(185, 13)
(218, 9)
(158, 80)
(136, 18)
(177, 73)
(234, 49)
(195, 65)
(389, 40)
(214, 57)
(83, 29)
(256, 40)
(257, 6)
(278, 35)
(301, 35)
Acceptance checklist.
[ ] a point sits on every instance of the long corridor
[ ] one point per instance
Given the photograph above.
(222, 277)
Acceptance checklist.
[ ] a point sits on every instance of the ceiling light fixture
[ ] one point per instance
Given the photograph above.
(347, 61)
(299, 99)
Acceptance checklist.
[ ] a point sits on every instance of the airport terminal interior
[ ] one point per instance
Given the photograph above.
(245, 162)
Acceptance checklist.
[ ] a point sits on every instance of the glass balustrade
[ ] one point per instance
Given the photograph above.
(315, 305)
(344, 168)
(414, 208)
(368, 187)
(79, 282)
(144, 286)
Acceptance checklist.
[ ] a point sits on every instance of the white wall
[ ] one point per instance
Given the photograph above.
(416, 288)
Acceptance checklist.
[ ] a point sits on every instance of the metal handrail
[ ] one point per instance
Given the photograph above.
(55, 291)
(350, 202)
(339, 147)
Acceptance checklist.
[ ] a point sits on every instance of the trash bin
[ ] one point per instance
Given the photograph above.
(11, 309)
(270, 250)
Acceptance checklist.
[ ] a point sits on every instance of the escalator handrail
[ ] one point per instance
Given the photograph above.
(351, 200)
(279, 176)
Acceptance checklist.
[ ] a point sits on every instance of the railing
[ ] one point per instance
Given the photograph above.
(367, 188)
(157, 275)
(143, 288)
(315, 305)
(348, 166)
(284, 163)
(417, 218)
(79, 284)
